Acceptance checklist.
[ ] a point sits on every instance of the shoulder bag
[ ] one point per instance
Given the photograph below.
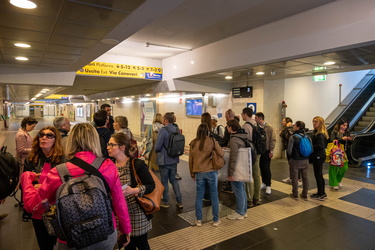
(150, 203)
(217, 161)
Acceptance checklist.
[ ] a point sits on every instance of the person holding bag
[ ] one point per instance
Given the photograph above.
(83, 143)
(119, 148)
(342, 135)
(203, 171)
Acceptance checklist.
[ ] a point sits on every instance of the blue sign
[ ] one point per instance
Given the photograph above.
(253, 106)
(153, 76)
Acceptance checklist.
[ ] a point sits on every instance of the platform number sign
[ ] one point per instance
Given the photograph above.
(253, 106)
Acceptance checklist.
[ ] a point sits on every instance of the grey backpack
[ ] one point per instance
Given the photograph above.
(83, 204)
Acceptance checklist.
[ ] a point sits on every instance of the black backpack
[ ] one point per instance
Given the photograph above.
(259, 138)
(9, 173)
(176, 143)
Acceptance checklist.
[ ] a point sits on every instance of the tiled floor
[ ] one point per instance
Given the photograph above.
(346, 220)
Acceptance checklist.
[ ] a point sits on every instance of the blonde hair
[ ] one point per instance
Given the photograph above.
(322, 127)
(122, 121)
(83, 137)
(157, 118)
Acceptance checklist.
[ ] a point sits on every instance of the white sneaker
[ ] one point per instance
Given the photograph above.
(215, 224)
(263, 186)
(235, 216)
(268, 190)
(340, 185)
(198, 223)
(335, 188)
(300, 183)
(287, 180)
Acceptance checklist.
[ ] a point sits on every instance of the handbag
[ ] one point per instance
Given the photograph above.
(150, 203)
(217, 161)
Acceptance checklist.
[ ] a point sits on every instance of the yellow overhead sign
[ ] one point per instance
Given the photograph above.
(55, 96)
(121, 70)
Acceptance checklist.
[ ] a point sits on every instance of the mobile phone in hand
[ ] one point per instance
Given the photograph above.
(122, 240)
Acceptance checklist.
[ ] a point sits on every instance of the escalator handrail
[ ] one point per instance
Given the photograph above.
(334, 122)
(361, 112)
(359, 136)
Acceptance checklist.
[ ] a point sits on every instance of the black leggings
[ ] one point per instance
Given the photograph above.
(140, 242)
(318, 173)
(45, 242)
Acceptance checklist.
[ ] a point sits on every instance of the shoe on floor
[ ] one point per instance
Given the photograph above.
(179, 204)
(164, 204)
(303, 197)
(256, 202)
(2, 216)
(287, 180)
(335, 188)
(235, 216)
(178, 177)
(317, 197)
(300, 183)
(250, 204)
(263, 186)
(215, 224)
(268, 190)
(340, 185)
(198, 223)
(228, 190)
(245, 215)
(293, 196)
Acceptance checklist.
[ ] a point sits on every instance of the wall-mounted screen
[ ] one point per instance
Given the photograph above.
(242, 92)
(194, 107)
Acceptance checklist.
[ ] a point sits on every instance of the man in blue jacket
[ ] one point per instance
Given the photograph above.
(167, 164)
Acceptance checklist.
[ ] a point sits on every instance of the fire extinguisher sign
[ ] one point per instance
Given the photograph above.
(253, 106)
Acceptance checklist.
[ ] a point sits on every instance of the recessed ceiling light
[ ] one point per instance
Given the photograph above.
(229, 77)
(22, 45)
(259, 73)
(22, 58)
(147, 95)
(45, 90)
(117, 98)
(33, 98)
(132, 96)
(329, 63)
(24, 4)
(192, 62)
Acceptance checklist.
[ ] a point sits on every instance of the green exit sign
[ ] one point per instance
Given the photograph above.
(319, 78)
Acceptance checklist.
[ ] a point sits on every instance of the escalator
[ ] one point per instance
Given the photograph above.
(360, 111)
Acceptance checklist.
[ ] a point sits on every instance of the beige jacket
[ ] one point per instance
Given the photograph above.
(200, 161)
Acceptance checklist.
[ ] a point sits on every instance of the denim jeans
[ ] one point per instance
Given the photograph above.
(241, 200)
(169, 172)
(210, 180)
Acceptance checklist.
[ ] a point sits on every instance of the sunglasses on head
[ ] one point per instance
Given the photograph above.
(48, 135)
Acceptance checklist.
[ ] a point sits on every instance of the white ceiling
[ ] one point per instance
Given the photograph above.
(66, 35)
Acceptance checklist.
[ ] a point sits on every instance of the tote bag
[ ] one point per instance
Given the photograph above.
(243, 169)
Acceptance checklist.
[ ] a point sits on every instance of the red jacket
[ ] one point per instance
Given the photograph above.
(32, 197)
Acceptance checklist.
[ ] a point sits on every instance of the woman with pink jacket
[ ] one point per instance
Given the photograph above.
(83, 143)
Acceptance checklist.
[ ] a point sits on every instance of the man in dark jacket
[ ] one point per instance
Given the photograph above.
(109, 120)
(167, 164)
(100, 118)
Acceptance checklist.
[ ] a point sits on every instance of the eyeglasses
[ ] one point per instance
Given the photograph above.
(110, 145)
(48, 135)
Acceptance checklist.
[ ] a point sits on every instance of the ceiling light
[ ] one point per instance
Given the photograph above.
(22, 58)
(45, 90)
(148, 44)
(147, 95)
(192, 62)
(33, 99)
(22, 45)
(108, 99)
(24, 4)
(259, 73)
(329, 63)
(132, 96)
(117, 98)
(110, 41)
(229, 77)
(37, 95)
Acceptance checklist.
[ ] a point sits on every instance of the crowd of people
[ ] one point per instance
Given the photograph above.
(111, 139)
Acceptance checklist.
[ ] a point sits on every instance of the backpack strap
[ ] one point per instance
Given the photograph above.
(93, 168)
(63, 172)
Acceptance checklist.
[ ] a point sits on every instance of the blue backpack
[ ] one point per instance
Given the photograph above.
(305, 145)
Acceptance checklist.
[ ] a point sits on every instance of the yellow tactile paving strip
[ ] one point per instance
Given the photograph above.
(207, 235)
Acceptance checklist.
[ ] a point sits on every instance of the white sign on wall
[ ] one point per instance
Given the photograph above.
(149, 113)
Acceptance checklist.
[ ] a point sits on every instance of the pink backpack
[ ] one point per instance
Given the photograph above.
(337, 155)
